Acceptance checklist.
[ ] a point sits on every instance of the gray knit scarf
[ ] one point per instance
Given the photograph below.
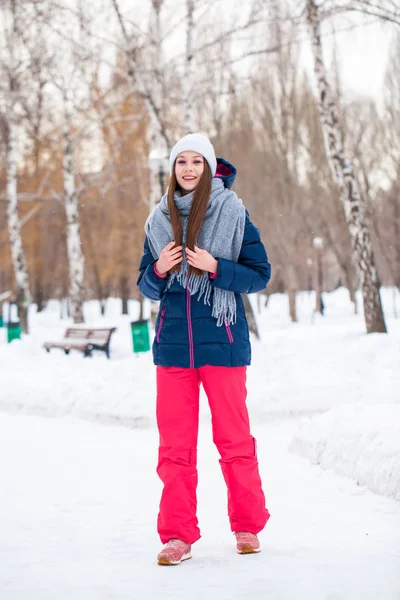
(221, 235)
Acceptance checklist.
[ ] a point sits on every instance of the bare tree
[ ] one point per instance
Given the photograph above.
(276, 98)
(71, 201)
(387, 209)
(343, 175)
(72, 75)
(386, 10)
(17, 54)
(146, 75)
(323, 209)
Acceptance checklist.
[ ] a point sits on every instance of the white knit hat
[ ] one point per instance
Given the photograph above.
(196, 142)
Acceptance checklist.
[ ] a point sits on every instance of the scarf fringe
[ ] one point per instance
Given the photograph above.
(224, 303)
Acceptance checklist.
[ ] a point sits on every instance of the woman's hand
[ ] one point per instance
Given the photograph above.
(201, 259)
(169, 257)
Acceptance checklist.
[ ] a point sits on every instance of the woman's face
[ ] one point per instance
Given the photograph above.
(189, 167)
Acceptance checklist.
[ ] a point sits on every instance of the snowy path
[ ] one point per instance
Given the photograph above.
(78, 505)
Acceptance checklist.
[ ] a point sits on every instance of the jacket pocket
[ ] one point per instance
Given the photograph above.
(229, 332)
(160, 324)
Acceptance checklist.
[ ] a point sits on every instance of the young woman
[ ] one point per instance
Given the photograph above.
(201, 252)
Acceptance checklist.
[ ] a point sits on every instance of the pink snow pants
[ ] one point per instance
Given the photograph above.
(178, 393)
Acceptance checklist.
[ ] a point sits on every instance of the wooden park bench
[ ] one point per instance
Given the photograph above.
(84, 339)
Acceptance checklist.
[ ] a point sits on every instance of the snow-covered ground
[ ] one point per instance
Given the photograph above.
(78, 509)
(78, 502)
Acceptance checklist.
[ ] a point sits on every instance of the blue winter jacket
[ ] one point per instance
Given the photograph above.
(186, 334)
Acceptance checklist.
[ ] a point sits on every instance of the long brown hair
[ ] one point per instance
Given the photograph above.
(196, 215)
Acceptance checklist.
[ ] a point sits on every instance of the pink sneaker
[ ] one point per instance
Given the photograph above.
(174, 552)
(247, 543)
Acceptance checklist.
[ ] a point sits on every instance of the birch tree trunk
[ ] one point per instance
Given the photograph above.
(318, 281)
(23, 295)
(124, 294)
(344, 177)
(251, 319)
(292, 304)
(292, 286)
(76, 260)
(188, 108)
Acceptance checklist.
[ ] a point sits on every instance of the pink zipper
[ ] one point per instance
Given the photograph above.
(190, 331)
(229, 332)
(160, 324)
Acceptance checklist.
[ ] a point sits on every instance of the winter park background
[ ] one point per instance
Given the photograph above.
(92, 96)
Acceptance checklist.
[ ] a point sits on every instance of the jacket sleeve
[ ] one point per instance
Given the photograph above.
(150, 284)
(252, 271)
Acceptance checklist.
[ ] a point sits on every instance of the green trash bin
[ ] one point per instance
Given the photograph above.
(1, 322)
(140, 335)
(13, 331)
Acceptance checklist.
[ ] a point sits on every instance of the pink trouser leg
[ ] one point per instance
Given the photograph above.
(226, 391)
(178, 422)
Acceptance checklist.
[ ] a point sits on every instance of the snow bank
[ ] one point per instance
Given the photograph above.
(362, 442)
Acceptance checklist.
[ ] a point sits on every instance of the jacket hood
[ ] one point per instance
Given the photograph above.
(226, 171)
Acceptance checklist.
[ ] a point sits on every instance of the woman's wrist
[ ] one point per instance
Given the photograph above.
(215, 268)
(157, 272)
